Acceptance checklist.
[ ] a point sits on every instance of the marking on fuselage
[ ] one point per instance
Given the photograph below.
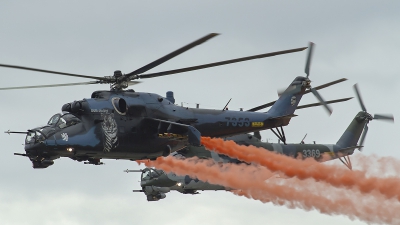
(64, 136)
(99, 110)
(257, 124)
(110, 131)
(293, 100)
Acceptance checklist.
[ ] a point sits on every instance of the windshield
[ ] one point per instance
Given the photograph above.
(146, 175)
(34, 137)
(63, 121)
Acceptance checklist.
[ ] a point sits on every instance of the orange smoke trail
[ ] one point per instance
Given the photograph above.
(377, 166)
(247, 179)
(303, 169)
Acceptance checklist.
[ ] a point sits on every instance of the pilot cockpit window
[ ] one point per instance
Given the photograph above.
(67, 120)
(146, 175)
(54, 119)
(34, 136)
(30, 138)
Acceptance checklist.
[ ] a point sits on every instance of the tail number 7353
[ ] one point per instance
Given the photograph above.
(240, 122)
(312, 153)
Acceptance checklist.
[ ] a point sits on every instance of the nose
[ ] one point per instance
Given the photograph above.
(34, 148)
(37, 153)
(34, 142)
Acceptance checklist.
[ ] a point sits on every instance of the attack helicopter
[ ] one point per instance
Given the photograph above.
(156, 183)
(124, 124)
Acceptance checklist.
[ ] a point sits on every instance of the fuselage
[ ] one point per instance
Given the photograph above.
(132, 125)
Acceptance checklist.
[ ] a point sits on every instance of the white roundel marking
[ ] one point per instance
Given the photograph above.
(293, 100)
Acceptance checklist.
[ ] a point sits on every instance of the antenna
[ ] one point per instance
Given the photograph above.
(302, 140)
(226, 105)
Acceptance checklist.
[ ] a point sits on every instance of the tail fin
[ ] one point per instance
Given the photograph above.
(290, 98)
(353, 132)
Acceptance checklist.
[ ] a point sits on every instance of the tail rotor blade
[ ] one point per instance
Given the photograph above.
(363, 137)
(321, 100)
(384, 117)
(308, 63)
(359, 98)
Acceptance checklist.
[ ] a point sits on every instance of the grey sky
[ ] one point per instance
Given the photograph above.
(358, 40)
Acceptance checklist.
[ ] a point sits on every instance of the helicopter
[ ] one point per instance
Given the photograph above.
(344, 147)
(124, 124)
(156, 183)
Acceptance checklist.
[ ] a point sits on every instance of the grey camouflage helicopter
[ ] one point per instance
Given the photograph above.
(156, 183)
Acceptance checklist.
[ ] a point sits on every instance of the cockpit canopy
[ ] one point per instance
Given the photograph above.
(63, 120)
(56, 122)
(149, 173)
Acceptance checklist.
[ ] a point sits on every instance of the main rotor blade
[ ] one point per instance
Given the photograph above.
(53, 72)
(384, 117)
(150, 75)
(328, 102)
(359, 98)
(326, 85)
(171, 55)
(289, 90)
(363, 136)
(321, 100)
(298, 107)
(308, 62)
(49, 85)
(306, 92)
(261, 107)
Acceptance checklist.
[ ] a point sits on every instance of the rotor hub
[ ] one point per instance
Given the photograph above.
(117, 74)
(307, 83)
(368, 116)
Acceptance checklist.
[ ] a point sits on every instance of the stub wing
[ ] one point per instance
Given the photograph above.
(165, 128)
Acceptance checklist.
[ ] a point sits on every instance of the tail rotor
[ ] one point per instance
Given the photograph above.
(308, 62)
(308, 81)
(368, 117)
